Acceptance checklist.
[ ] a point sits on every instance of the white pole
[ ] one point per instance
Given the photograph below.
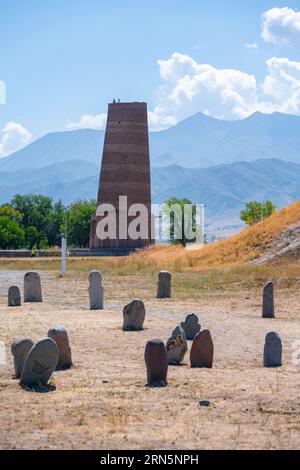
(63, 256)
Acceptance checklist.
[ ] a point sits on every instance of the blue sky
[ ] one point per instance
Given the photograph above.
(61, 62)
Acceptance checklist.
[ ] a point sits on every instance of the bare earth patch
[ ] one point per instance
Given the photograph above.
(102, 403)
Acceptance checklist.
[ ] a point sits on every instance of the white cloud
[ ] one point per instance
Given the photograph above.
(88, 121)
(251, 46)
(15, 137)
(189, 87)
(2, 92)
(159, 119)
(282, 84)
(281, 26)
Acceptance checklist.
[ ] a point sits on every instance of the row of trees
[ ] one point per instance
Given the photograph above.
(35, 222)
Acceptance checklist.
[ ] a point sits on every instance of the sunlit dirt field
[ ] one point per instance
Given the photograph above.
(102, 403)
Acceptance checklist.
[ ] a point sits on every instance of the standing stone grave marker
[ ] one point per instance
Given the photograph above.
(176, 346)
(20, 349)
(60, 336)
(156, 363)
(40, 363)
(134, 316)
(164, 285)
(96, 291)
(191, 326)
(32, 287)
(268, 301)
(14, 297)
(202, 351)
(272, 350)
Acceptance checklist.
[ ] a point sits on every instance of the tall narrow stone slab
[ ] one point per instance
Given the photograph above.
(20, 349)
(14, 297)
(40, 363)
(164, 285)
(176, 346)
(202, 351)
(96, 291)
(134, 316)
(32, 288)
(61, 338)
(191, 326)
(125, 172)
(272, 350)
(156, 363)
(268, 301)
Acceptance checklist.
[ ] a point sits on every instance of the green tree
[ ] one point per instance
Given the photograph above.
(11, 234)
(79, 221)
(181, 222)
(9, 211)
(256, 211)
(36, 211)
(56, 224)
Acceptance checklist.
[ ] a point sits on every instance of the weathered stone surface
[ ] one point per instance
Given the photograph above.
(268, 301)
(202, 351)
(20, 349)
(40, 363)
(134, 316)
(32, 287)
(96, 291)
(14, 297)
(272, 350)
(176, 346)
(60, 336)
(191, 326)
(164, 285)
(156, 363)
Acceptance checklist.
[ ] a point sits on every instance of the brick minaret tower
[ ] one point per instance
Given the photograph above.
(125, 169)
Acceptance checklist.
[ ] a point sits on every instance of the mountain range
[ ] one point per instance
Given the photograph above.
(197, 142)
(222, 164)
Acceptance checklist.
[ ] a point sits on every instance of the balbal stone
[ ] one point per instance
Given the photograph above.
(164, 285)
(176, 346)
(20, 349)
(96, 291)
(191, 326)
(134, 316)
(32, 288)
(40, 363)
(14, 297)
(272, 350)
(60, 336)
(268, 301)
(156, 363)
(202, 351)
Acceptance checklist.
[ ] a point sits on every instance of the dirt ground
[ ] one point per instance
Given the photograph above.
(102, 402)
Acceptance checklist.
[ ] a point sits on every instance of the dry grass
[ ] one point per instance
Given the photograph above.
(236, 251)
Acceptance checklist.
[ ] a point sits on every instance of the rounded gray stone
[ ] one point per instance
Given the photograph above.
(20, 349)
(32, 287)
(164, 285)
(156, 363)
(272, 350)
(14, 297)
(96, 291)
(60, 335)
(191, 326)
(40, 363)
(176, 346)
(134, 316)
